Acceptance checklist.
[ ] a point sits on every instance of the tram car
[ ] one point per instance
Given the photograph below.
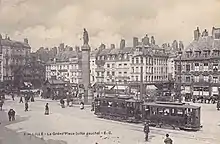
(159, 114)
(176, 115)
(120, 109)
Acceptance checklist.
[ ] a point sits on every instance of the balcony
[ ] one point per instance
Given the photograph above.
(100, 69)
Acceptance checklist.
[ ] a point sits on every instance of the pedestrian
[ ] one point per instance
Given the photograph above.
(168, 140)
(1, 103)
(21, 100)
(13, 96)
(146, 130)
(81, 105)
(47, 109)
(26, 106)
(218, 105)
(32, 98)
(13, 115)
(10, 114)
(62, 102)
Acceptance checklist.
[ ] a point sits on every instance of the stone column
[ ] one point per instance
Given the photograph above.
(85, 65)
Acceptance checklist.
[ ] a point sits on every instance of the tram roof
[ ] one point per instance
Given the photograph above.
(168, 105)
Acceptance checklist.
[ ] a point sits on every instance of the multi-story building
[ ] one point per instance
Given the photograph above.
(198, 67)
(15, 54)
(123, 65)
(66, 66)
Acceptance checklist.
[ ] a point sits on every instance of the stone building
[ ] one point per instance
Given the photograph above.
(199, 69)
(14, 55)
(121, 66)
(66, 66)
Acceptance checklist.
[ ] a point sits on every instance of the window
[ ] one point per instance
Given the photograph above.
(196, 78)
(125, 72)
(136, 78)
(206, 78)
(108, 73)
(119, 65)
(132, 61)
(196, 66)
(215, 67)
(113, 73)
(187, 79)
(125, 64)
(108, 65)
(215, 79)
(206, 68)
(137, 60)
(142, 61)
(133, 69)
(187, 67)
(119, 72)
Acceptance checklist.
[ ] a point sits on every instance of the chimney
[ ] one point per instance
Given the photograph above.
(122, 44)
(205, 33)
(152, 40)
(26, 40)
(102, 46)
(196, 34)
(145, 40)
(61, 47)
(112, 46)
(77, 48)
(181, 46)
(135, 42)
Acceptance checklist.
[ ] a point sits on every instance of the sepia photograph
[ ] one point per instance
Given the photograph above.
(109, 71)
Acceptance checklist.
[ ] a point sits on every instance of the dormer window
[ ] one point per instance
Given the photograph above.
(197, 53)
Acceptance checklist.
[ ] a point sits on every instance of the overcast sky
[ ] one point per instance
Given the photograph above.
(50, 22)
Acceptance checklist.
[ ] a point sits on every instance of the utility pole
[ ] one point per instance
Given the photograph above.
(141, 84)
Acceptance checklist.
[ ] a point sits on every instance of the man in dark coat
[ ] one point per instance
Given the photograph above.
(21, 100)
(168, 140)
(26, 106)
(146, 130)
(47, 109)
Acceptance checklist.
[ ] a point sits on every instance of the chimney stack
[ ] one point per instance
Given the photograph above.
(135, 42)
(77, 48)
(197, 34)
(102, 46)
(145, 40)
(112, 46)
(26, 40)
(122, 44)
(152, 40)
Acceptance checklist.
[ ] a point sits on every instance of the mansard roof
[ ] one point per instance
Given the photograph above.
(6, 42)
(204, 43)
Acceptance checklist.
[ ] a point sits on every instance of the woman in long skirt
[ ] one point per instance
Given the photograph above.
(46, 109)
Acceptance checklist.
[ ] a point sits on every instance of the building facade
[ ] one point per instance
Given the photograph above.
(198, 68)
(123, 65)
(14, 55)
(66, 66)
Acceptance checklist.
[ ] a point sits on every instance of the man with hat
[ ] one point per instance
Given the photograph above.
(146, 130)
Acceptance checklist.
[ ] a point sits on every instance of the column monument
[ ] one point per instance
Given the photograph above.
(86, 65)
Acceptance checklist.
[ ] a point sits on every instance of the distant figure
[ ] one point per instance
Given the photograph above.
(21, 100)
(62, 102)
(81, 105)
(85, 37)
(1, 103)
(26, 106)
(146, 130)
(168, 140)
(218, 105)
(13, 97)
(11, 115)
(32, 98)
(47, 109)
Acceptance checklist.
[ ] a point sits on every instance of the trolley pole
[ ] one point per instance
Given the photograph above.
(141, 84)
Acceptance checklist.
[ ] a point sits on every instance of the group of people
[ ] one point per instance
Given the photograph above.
(167, 140)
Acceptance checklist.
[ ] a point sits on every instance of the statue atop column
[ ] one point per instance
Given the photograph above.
(85, 37)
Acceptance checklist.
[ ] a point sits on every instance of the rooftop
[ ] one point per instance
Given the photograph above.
(6, 42)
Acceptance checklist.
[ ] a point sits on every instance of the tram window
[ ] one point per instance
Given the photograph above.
(166, 111)
(154, 111)
(179, 112)
(160, 111)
